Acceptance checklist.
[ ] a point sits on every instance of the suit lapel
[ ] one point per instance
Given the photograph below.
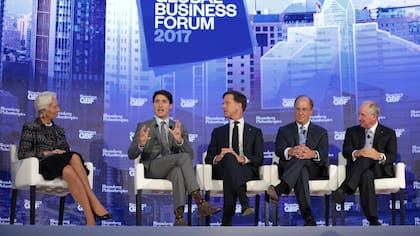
(226, 136)
(361, 136)
(246, 133)
(295, 134)
(378, 133)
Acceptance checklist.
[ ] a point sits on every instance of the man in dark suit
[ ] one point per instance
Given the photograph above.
(370, 149)
(236, 152)
(164, 149)
(303, 151)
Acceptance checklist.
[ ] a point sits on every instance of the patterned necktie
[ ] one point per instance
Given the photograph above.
(369, 138)
(302, 135)
(235, 137)
(164, 138)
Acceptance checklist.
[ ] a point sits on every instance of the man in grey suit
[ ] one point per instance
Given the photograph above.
(303, 150)
(163, 147)
(235, 155)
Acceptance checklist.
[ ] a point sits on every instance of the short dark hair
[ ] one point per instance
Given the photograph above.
(238, 97)
(311, 102)
(165, 93)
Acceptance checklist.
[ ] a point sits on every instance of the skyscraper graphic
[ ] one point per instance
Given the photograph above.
(341, 13)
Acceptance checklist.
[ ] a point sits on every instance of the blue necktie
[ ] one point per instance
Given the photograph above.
(302, 135)
(369, 138)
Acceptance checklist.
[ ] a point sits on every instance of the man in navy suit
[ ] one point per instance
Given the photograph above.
(303, 151)
(164, 148)
(236, 152)
(370, 149)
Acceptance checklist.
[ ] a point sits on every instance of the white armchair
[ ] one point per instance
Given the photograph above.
(25, 175)
(213, 187)
(318, 187)
(382, 186)
(142, 184)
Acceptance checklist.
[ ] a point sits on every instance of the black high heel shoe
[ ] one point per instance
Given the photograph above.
(107, 216)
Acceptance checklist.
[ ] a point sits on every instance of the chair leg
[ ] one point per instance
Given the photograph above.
(327, 210)
(393, 208)
(342, 213)
(32, 197)
(274, 206)
(257, 209)
(13, 206)
(61, 210)
(334, 213)
(267, 209)
(402, 207)
(189, 209)
(138, 207)
(207, 197)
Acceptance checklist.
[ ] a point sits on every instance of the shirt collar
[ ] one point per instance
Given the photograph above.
(304, 125)
(373, 128)
(241, 121)
(159, 120)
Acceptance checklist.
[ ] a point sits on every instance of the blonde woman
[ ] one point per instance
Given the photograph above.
(43, 139)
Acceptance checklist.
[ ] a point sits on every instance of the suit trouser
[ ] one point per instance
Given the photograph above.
(361, 175)
(178, 169)
(234, 176)
(297, 173)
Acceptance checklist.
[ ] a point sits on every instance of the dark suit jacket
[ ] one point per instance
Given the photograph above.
(316, 139)
(253, 144)
(385, 141)
(152, 147)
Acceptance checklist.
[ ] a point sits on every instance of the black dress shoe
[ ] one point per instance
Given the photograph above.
(107, 216)
(338, 195)
(374, 221)
(310, 222)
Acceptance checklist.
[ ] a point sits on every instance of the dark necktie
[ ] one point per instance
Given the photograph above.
(235, 137)
(164, 138)
(302, 135)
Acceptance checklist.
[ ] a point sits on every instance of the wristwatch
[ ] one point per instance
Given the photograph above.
(381, 156)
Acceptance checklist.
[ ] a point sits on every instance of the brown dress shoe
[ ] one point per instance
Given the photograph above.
(248, 211)
(180, 222)
(205, 209)
(271, 191)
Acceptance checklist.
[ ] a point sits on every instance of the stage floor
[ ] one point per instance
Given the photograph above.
(25, 230)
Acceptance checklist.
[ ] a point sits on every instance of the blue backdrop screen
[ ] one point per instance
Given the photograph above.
(106, 58)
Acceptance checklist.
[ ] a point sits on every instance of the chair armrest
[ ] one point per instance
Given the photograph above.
(199, 173)
(139, 174)
(399, 170)
(89, 166)
(274, 174)
(333, 176)
(27, 172)
(265, 173)
(207, 176)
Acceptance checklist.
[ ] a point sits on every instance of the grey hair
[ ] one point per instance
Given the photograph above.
(373, 108)
(43, 101)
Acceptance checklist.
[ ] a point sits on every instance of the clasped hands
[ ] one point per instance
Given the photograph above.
(302, 151)
(224, 151)
(367, 152)
(176, 133)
